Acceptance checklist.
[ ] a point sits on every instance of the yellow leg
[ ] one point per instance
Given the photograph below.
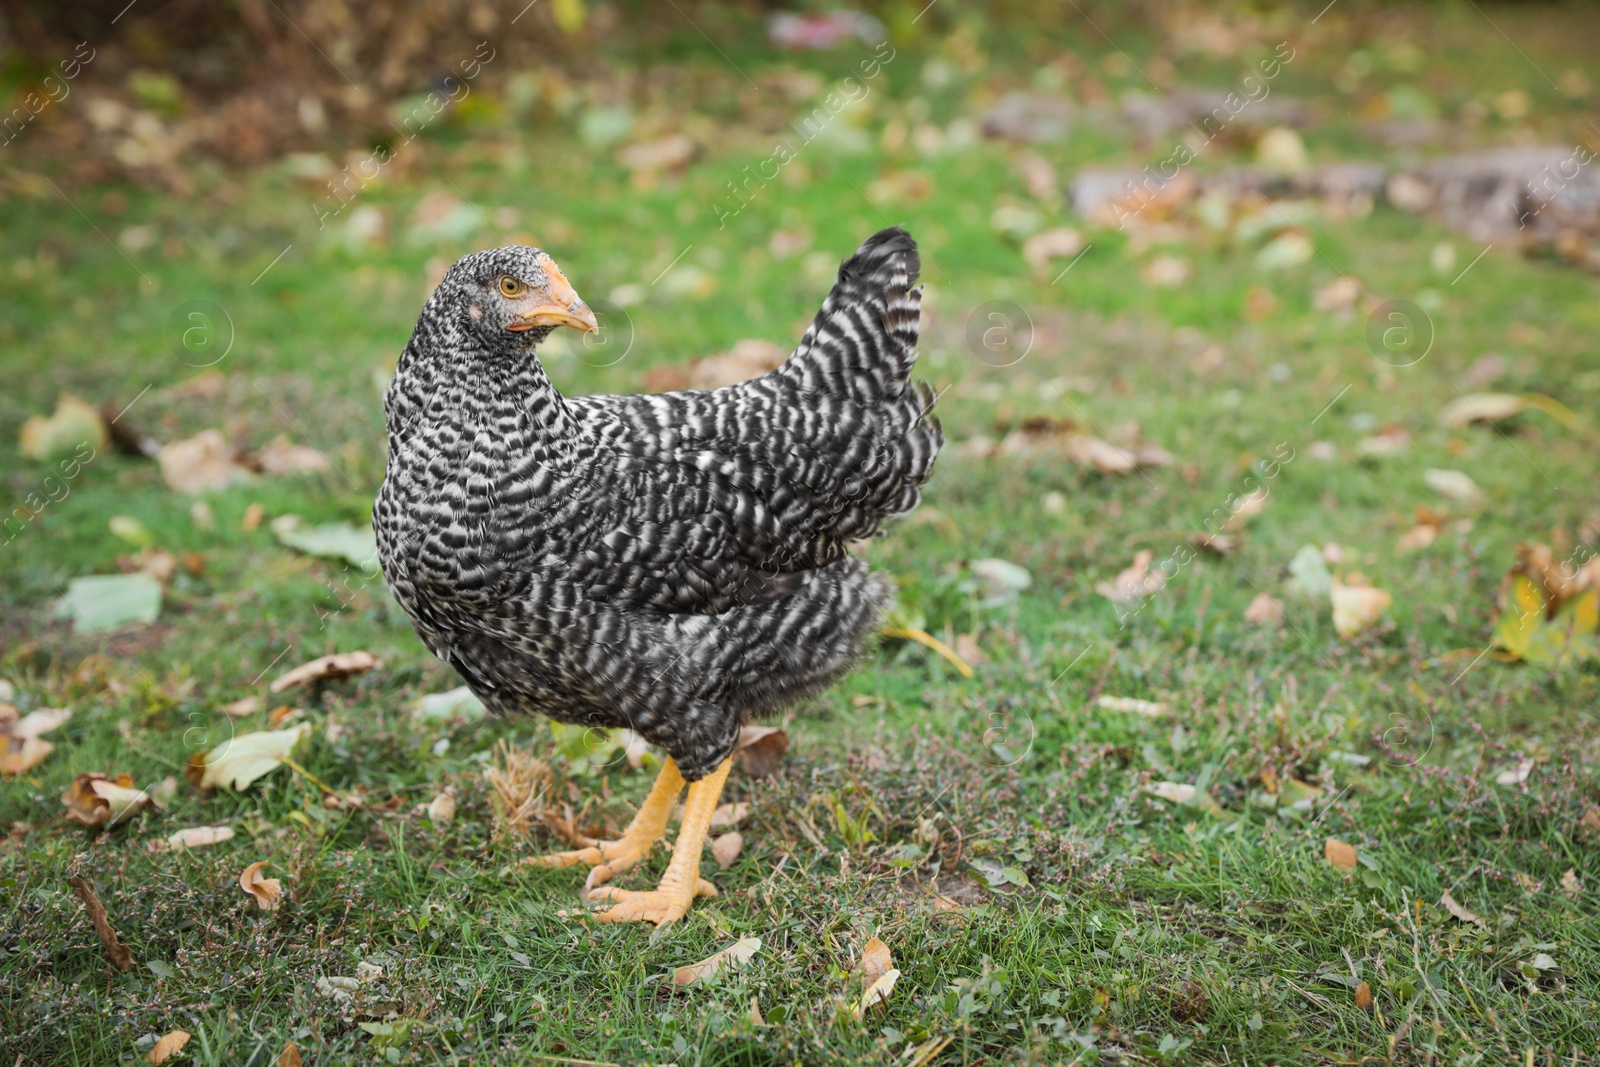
(610, 858)
(682, 882)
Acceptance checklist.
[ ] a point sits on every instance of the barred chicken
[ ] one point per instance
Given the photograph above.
(677, 564)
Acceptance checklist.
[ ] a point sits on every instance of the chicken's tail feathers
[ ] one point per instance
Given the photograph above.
(863, 342)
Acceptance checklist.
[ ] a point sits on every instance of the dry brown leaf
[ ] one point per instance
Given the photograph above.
(760, 750)
(1041, 248)
(290, 1056)
(1134, 583)
(21, 746)
(1364, 996)
(1448, 903)
(268, 892)
(282, 456)
(168, 1046)
(1570, 885)
(725, 848)
(442, 808)
(252, 517)
(203, 462)
(242, 707)
(116, 951)
(1104, 456)
(200, 837)
(327, 669)
(876, 960)
(282, 714)
(735, 955)
(877, 992)
(1339, 854)
(1263, 610)
(730, 815)
(97, 800)
(969, 650)
(1480, 407)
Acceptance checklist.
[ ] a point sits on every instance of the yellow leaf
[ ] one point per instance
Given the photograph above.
(96, 800)
(734, 955)
(1357, 607)
(1364, 996)
(238, 762)
(1339, 854)
(570, 15)
(21, 746)
(76, 425)
(168, 1046)
(1521, 618)
(877, 992)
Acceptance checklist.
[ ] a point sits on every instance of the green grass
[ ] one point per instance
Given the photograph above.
(1145, 931)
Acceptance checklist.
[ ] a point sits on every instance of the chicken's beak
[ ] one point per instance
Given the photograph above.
(577, 315)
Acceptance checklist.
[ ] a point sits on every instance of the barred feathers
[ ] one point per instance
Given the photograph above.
(672, 563)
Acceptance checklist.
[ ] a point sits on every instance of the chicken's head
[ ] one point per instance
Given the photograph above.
(513, 297)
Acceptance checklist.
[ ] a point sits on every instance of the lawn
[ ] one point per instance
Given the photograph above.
(1111, 844)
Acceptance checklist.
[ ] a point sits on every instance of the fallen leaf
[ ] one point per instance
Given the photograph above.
(240, 760)
(283, 713)
(760, 750)
(99, 602)
(252, 517)
(290, 1056)
(116, 951)
(1338, 295)
(327, 669)
(1041, 248)
(1448, 903)
(876, 960)
(168, 1046)
(1480, 407)
(21, 746)
(1357, 608)
(726, 848)
(76, 422)
(282, 456)
(1518, 774)
(667, 153)
(1134, 583)
(1150, 709)
(1168, 272)
(734, 956)
(200, 463)
(200, 837)
(1263, 610)
(1308, 573)
(635, 747)
(1339, 854)
(877, 992)
(442, 808)
(460, 702)
(1570, 885)
(1455, 486)
(268, 892)
(96, 800)
(1176, 792)
(730, 815)
(1363, 996)
(1104, 456)
(356, 545)
(999, 580)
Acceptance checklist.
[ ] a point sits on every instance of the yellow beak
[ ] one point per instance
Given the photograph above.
(577, 315)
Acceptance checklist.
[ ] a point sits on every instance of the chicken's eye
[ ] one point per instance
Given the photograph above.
(509, 286)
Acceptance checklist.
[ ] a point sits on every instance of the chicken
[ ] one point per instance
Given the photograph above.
(676, 564)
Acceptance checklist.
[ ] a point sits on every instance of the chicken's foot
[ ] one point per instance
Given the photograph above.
(610, 858)
(682, 882)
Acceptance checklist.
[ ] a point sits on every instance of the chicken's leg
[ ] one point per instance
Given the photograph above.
(610, 858)
(682, 882)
